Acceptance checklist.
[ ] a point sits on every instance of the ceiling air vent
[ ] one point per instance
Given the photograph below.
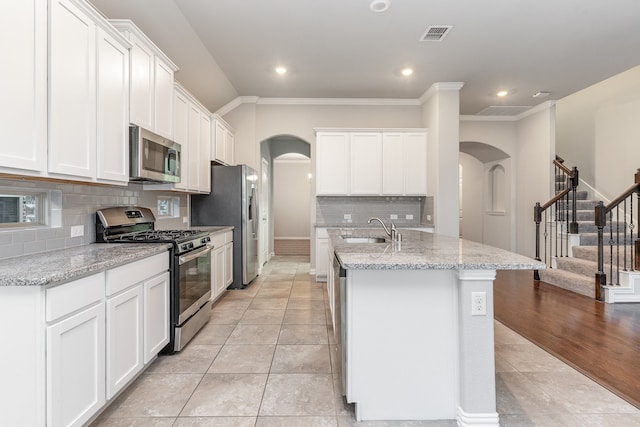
(435, 33)
(502, 110)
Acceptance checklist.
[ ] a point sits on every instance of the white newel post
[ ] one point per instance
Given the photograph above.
(477, 387)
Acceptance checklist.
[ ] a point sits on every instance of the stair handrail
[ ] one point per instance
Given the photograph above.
(572, 181)
(601, 212)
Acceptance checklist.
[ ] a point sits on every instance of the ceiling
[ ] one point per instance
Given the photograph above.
(342, 49)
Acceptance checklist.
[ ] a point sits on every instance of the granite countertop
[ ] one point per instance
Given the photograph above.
(423, 251)
(213, 229)
(57, 267)
(346, 225)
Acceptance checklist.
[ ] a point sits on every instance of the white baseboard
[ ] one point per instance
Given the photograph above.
(628, 291)
(477, 419)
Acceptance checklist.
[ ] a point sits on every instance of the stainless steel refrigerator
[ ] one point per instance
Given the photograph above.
(233, 201)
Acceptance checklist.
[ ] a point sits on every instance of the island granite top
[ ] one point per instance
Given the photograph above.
(60, 266)
(423, 251)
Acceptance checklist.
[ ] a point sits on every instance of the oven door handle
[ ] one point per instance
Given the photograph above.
(193, 255)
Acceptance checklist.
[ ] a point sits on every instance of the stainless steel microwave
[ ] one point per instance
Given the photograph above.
(153, 157)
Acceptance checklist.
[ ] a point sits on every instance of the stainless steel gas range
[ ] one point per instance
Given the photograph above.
(190, 269)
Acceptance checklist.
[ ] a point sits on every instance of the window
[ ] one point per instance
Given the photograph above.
(22, 208)
(168, 207)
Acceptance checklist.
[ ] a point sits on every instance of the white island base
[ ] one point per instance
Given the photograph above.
(411, 348)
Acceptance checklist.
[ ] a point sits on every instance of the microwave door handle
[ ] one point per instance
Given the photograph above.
(172, 155)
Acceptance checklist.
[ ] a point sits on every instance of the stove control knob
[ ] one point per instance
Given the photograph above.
(185, 246)
(205, 240)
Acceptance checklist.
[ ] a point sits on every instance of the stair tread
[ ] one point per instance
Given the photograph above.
(573, 282)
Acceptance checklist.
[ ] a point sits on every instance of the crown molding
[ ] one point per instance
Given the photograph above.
(439, 87)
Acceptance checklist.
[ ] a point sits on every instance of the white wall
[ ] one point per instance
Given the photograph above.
(441, 115)
(598, 131)
(471, 227)
(535, 151)
(291, 198)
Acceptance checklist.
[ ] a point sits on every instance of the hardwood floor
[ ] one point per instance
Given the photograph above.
(600, 340)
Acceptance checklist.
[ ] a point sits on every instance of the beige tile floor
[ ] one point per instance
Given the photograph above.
(264, 360)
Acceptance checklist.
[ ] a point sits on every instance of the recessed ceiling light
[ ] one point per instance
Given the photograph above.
(281, 70)
(380, 5)
(407, 72)
(502, 93)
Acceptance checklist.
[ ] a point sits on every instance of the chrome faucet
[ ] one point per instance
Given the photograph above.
(393, 233)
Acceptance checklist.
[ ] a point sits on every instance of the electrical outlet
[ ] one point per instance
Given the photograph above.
(393, 216)
(347, 216)
(478, 303)
(428, 217)
(77, 231)
(408, 216)
(185, 219)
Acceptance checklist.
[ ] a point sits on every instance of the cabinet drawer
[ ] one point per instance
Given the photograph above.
(220, 239)
(122, 277)
(65, 299)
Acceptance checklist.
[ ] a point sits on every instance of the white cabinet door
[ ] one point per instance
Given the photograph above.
(142, 86)
(195, 163)
(332, 164)
(156, 315)
(204, 154)
(222, 146)
(124, 338)
(392, 163)
(113, 109)
(72, 95)
(322, 248)
(218, 271)
(415, 164)
(163, 99)
(366, 163)
(76, 367)
(23, 104)
(228, 264)
(181, 136)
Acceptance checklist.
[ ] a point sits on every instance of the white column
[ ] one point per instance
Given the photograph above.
(477, 387)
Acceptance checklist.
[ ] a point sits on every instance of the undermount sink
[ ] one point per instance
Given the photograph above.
(351, 239)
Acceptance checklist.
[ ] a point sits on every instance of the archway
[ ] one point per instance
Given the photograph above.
(285, 169)
(485, 194)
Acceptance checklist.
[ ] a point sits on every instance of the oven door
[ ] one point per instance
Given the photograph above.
(194, 282)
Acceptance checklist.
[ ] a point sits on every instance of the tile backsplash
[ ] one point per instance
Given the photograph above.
(333, 209)
(79, 205)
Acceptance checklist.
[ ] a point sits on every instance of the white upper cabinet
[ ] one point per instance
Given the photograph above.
(366, 163)
(152, 78)
(88, 93)
(192, 128)
(371, 163)
(223, 144)
(332, 163)
(113, 109)
(72, 93)
(23, 29)
(404, 159)
(181, 134)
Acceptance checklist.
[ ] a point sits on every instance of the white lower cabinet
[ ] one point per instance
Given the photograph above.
(124, 338)
(76, 345)
(221, 263)
(322, 257)
(156, 315)
(75, 351)
(75, 367)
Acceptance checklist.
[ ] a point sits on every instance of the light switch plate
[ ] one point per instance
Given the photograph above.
(393, 216)
(347, 216)
(408, 216)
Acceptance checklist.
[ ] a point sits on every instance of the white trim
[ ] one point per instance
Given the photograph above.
(235, 103)
(339, 101)
(472, 118)
(291, 238)
(540, 107)
(316, 130)
(297, 161)
(439, 87)
(477, 419)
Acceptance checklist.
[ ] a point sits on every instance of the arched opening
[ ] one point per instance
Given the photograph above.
(485, 191)
(285, 197)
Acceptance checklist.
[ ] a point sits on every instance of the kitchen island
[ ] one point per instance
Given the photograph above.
(414, 325)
